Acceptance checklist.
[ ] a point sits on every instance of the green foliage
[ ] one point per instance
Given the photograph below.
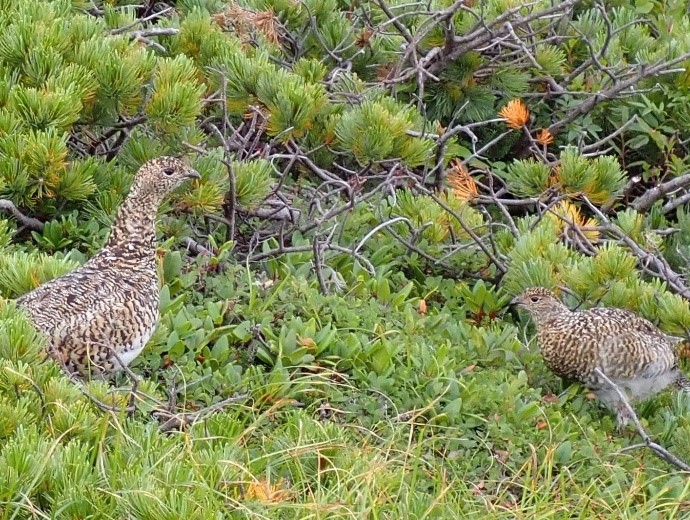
(22, 272)
(252, 181)
(551, 59)
(436, 222)
(42, 110)
(385, 376)
(176, 98)
(528, 177)
(377, 130)
(600, 179)
(292, 103)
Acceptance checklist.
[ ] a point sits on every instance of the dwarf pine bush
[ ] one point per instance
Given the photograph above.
(379, 179)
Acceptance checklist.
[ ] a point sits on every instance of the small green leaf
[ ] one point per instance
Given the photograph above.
(243, 331)
(221, 349)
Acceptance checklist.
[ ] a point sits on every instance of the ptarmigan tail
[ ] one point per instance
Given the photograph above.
(682, 383)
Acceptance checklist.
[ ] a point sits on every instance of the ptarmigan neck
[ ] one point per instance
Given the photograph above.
(133, 234)
(546, 317)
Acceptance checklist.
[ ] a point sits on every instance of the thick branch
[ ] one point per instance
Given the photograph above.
(30, 222)
(589, 104)
(646, 201)
(482, 34)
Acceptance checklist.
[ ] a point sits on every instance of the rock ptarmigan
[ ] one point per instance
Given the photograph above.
(632, 352)
(103, 313)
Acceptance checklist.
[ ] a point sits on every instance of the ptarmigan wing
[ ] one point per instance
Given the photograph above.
(624, 320)
(87, 339)
(636, 354)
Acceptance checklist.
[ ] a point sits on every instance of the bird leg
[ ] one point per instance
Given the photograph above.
(132, 377)
(622, 417)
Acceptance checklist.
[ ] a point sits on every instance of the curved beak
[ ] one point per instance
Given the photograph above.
(514, 301)
(193, 174)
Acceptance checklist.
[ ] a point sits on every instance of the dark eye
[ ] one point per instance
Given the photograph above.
(534, 299)
(169, 171)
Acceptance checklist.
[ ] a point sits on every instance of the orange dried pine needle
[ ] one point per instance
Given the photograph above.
(263, 491)
(567, 214)
(461, 182)
(544, 137)
(515, 113)
(243, 20)
(267, 23)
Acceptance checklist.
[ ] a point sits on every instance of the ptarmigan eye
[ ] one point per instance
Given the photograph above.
(169, 171)
(534, 299)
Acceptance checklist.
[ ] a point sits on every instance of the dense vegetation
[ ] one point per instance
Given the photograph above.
(379, 180)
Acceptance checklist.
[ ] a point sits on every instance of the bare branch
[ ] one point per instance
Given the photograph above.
(655, 265)
(647, 200)
(196, 248)
(642, 73)
(29, 222)
(142, 21)
(179, 421)
(657, 449)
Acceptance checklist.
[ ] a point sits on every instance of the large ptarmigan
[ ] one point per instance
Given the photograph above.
(631, 351)
(105, 311)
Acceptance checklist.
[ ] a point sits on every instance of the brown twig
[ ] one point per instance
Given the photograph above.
(29, 222)
(179, 421)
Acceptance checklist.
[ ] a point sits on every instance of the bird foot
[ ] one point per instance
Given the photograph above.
(131, 408)
(622, 418)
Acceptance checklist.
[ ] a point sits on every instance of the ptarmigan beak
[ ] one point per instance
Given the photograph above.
(193, 174)
(514, 301)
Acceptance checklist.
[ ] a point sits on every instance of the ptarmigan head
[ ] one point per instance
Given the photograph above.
(158, 177)
(539, 302)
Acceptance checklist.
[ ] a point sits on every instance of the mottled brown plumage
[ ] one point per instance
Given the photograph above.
(631, 351)
(105, 311)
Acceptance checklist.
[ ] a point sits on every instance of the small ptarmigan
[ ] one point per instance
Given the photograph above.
(104, 312)
(631, 351)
